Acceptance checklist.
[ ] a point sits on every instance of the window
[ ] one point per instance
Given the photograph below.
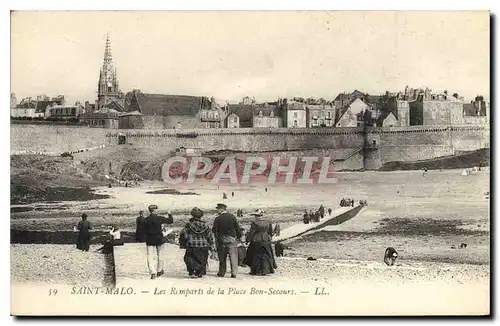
(235, 120)
(109, 89)
(295, 114)
(260, 113)
(329, 115)
(73, 111)
(295, 122)
(216, 115)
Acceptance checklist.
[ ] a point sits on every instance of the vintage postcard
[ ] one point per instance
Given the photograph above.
(250, 163)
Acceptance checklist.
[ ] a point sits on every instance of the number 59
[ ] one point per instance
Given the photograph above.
(52, 292)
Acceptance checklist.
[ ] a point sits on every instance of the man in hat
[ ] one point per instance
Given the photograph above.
(227, 233)
(155, 240)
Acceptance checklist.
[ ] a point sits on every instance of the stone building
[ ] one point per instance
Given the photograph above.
(64, 112)
(244, 113)
(247, 100)
(103, 118)
(322, 115)
(352, 115)
(232, 121)
(26, 108)
(267, 116)
(159, 111)
(36, 109)
(435, 110)
(295, 114)
(214, 116)
(387, 119)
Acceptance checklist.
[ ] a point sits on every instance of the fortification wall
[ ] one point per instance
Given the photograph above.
(426, 142)
(55, 139)
(247, 139)
(392, 143)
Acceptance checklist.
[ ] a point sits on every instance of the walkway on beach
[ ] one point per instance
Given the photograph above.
(130, 259)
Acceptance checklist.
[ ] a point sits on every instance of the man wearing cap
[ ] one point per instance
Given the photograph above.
(155, 240)
(227, 233)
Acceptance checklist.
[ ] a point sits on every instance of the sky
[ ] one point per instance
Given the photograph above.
(267, 55)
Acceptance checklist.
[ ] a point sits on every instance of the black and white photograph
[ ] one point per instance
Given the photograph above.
(250, 163)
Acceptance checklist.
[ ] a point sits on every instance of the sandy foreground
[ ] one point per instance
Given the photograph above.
(299, 287)
(424, 218)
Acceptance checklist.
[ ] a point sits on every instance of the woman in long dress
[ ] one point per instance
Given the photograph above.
(260, 256)
(84, 227)
(197, 238)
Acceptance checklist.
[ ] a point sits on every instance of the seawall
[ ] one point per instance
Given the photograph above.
(351, 148)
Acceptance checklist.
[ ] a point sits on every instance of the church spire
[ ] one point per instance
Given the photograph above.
(108, 81)
(108, 58)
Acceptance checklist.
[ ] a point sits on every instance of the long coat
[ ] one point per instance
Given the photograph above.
(83, 241)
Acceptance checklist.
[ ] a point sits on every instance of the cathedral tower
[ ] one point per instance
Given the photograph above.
(108, 90)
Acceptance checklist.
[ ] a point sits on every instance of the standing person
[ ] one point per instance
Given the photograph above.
(155, 240)
(232, 193)
(317, 217)
(260, 255)
(329, 212)
(322, 211)
(84, 227)
(227, 233)
(198, 240)
(140, 228)
(306, 217)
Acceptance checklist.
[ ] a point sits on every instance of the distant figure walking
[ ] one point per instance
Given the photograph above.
(155, 241)
(140, 228)
(232, 194)
(265, 189)
(84, 227)
(227, 233)
(390, 256)
(198, 240)
(224, 196)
